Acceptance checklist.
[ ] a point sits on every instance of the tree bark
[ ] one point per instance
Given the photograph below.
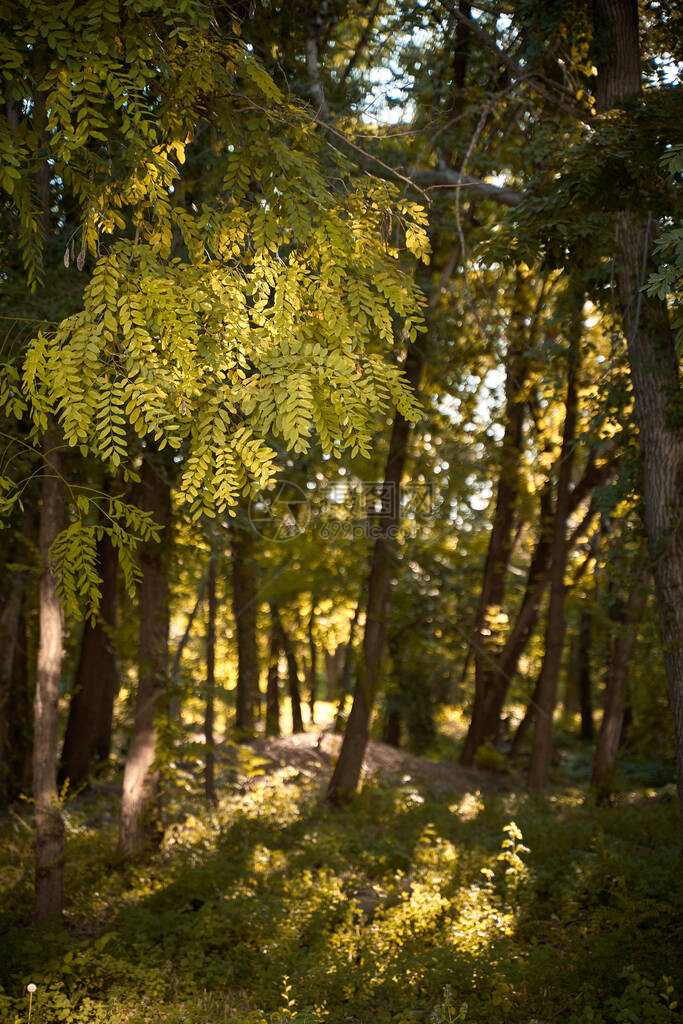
(313, 654)
(273, 686)
(345, 678)
(625, 618)
(49, 841)
(87, 741)
(292, 670)
(584, 673)
(654, 367)
(140, 826)
(9, 636)
(347, 770)
(524, 726)
(174, 707)
(554, 638)
(245, 610)
(209, 761)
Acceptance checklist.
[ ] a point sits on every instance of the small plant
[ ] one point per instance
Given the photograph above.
(511, 849)
(445, 1011)
(30, 988)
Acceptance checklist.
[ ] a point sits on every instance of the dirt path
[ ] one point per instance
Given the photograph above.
(312, 753)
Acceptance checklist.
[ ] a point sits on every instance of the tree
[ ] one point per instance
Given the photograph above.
(49, 871)
(140, 819)
(653, 362)
(555, 631)
(87, 741)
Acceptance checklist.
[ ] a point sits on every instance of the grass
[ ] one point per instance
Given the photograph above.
(274, 907)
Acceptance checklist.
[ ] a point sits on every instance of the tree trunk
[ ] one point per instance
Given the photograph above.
(554, 638)
(19, 749)
(347, 770)
(140, 822)
(487, 630)
(391, 728)
(245, 609)
(524, 726)
(584, 667)
(174, 707)
(654, 367)
(87, 741)
(538, 578)
(209, 762)
(49, 841)
(292, 671)
(9, 637)
(313, 653)
(625, 621)
(345, 677)
(273, 686)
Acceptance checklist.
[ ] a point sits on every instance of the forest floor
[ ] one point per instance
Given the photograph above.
(440, 895)
(313, 755)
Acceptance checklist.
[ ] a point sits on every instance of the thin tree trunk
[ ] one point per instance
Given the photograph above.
(391, 728)
(87, 741)
(21, 727)
(486, 630)
(538, 578)
(9, 635)
(524, 726)
(554, 639)
(49, 841)
(313, 654)
(625, 621)
(209, 761)
(292, 671)
(345, 679)
(347, 770)
(140, 822)
(273, 686)
(654, 367)
(584, 673)
(245, 609)
(174, 708)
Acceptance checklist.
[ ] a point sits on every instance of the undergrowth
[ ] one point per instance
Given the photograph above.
(272, 907)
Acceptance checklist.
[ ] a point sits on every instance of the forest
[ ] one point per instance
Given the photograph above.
(341, 512)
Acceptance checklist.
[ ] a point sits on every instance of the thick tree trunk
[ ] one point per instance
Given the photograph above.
(313, 654)
(292, 671)
(245, 610)
(347, 770)
(625, 621)
(87, 741)
(487, 630)
(654, 367)
(554, 638)
(140, 822)
(584, 673)
(210, 758)
(49, 842)
(273, 685)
